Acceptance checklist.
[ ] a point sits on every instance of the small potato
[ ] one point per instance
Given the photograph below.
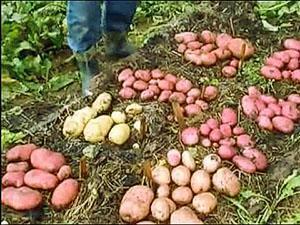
(215, 144)
(215, 135)
(271, 72)
(166, 85)
(181, 175)
(293, 64)
(222, 54)
(47, 160)
(184, 215)
(20, 152)
(140, 85)
(249, 107)
(283, 124)
(188, 160)
(155, 89)
(161, 175)
(193, 45)
(40, 179)
(190, 136)
(296, 76)
(182, 195)
(211, 163)
(163, 190)
(164, 96)
(190, 100)
(244, 164)
(289, 110)
(292, 43)
(118, 117)
(153, 82)
(257, 157)
(17, 167)
(171, 204)
(212, 123)
(192, 110)
(129, 82)
(226, 182)
(185, 37)
(194, 92)
(267, 112)
(183, 85)
(208, 36)
(172, 78)
(13, 179)
(160, 209)
(157, 74)
(73, 126)
(143, 75)
(234, 63)
(204, 129)
(208, 59)
(125, 74)
(203, 105)
(102, 102)
(134, 109)
(227, 141)
(229, 71)
(226, 152)
(226, 130)
(222, 40)
(205, 202)
(254, 92)
(265, 122)
(244, 140)
(127, 93)
(294, 98)
(119, 133)
(64, 172)
(276, 108)
(200, 181)
(229, 116)
(270, 61)
(65, 193)
(205, 142)
(181, 48)
(147, 95)
(293, 53)
(282, 55)
(210, 93)
(178, 97)
(173, 157)
(207, 48)
(235, 45)
(238, 130)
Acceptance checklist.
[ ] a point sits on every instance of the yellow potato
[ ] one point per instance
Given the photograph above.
(134, 109)
(119, 134)
(73, 126)
(85, 113)
(118, 117)
(102, 102)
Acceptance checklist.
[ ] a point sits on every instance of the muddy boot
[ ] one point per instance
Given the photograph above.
(117, 45)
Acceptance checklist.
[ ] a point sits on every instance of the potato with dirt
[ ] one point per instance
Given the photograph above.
(235, 45)
(211, 163)
(102, 102)
(20, 152)
(15, 179)
(39, 179)
(160, 209)
(204, 203)
(64, 172)
(200, 181)
(17, 167)
(184, 215)
(182, 195)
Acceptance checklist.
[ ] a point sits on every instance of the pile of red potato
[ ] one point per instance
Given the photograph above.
(228, 137)
(271, 113)
(31, 169)
(207, 48)
(284, 64)
(154, 84)
(181, 189)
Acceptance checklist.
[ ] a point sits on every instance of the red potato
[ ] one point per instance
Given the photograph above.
(190, 100)
(204, 129)
(195, 52)
(267, 112)
(184, 215)
(205, 142)
(235, 45)
(296, 75)
(249, 107)
(215, 135)
(282, 55)
(229, 116)
(260, 105)
(292, 43)
(192, 110)
(178, 97)
(257, 157)
(194, 92)
(203, 104)
(293, 64)
(65, 193)
(244, 141)
(155, 89)
(265, 123)
(208, 59)
(244, 164)
(186, 37)
(271, 61)
(271, 72)
(194, 58)
(170, 77)
(183, 85)
(166, 85)
(234, 63)
(181, 175)
(157, 74)
(13, 179)
(143, 75)
(181, 48)
(194, 45)
(286, 74)
(212, 123)
(226, 152)
(21, 199)
(129, 82)
(276, 108)
(289, 110)
(140, 85)
(125, 74)
(293, 53)
(17, 167)
(208, 36)
(225, 130)
(253, 92)
(20, 152)
(190, 136)
(294, 98)
(182, 195)
(153, 82)
(207, 48)
(222, 54)
(238, 130)
(173, 157)
(210, 93)
(200, 181)
(227, 141)
(147, 95)
(222, 40)
(127, 93)
(64, 172)
(40, 179)
(47, 160)
(164, 96)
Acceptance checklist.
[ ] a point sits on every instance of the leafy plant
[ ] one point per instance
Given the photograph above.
(8, 138)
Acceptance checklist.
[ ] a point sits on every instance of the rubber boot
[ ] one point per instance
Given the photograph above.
(117, 45)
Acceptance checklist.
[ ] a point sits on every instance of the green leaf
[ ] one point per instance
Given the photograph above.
(24, 45)
(289, 186)
(269, 26)
(58, 82)
(8, 138)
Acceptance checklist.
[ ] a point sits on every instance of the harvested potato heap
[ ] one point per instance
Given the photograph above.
(284, 64)
(207, 48)
(181, 189)
(154, 84)
(32, 169)
(271, 113)
(228, 137)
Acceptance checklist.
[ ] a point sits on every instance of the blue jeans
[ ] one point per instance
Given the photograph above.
(86, 21)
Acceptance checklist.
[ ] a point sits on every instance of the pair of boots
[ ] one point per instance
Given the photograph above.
(116, 47)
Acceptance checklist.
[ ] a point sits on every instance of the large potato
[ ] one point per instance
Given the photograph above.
(184, 215)
(205, 202)
(73, 126)
(235, 45)
(119, 133)
(40, 179)
(182, 195)
(200, 181)
(211, 163)
(283, 124)
(102, 102)
(161, 175)
(20, 152)
(160, 209)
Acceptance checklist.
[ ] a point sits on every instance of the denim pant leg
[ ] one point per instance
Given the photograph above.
(118, 15)
(84, 24)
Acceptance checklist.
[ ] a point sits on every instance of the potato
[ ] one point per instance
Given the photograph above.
(20, 152)
(161, 175)
(276, 108)
(244, 140)
(85, 114)
(65, 193)
(185, 37)
(183, 85)
(289, 110)
(205, 142)
(227, 141)
(64, 172)
(225, 130)
(283, 124)
(203, 105)
(229, 71)
(249, 107)
(194, 92)
(191, 100)
(13, 179)
(265, 122)
(143, 75)
(234, 63)
(204, 129)
(271, 61)
(182, 195)
(200, 181)
(178, 97)
(135, 204)
(190, 136)
(172, 78)
(21, 199)
(157, 74)
(181, 48)
(215, 135)
(238, 130)
(153, 81)
(188, 160)
(119, 133)
(47, 160)
(163, 190)
(226, 151)
(267, 112)
(271, 72)
(254, 92)
(207, 48)
(164, 96)
(296, 75)
(154, 88)
(210, 93)
(211, 163)
(97, 129)
(205, 202)
(166, 85)
(172, 204)
(147, 95)
(193, 57)
(146, 222)
(235, 45)
(286, 74)
(222, 54)
(118, 117)
(226, 182)
(181, 175)
(184, 215)
(282, 55)
(40, 179)
(257, 157)
(222, 40)
(173, 157)
(260, 105)
(129, 82)
(17, 167)
(293, 64)
(125, 74)
(102, 102)
(208, 59)
(293, 53)
(160, 209)
(212, 123)
(229, 116)
(294, 98)
(292, 43)
(192, 110)
(127, 93)
(140, 85)
(134, 109)
(193, 45)
(208, 36)
(244, 164)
